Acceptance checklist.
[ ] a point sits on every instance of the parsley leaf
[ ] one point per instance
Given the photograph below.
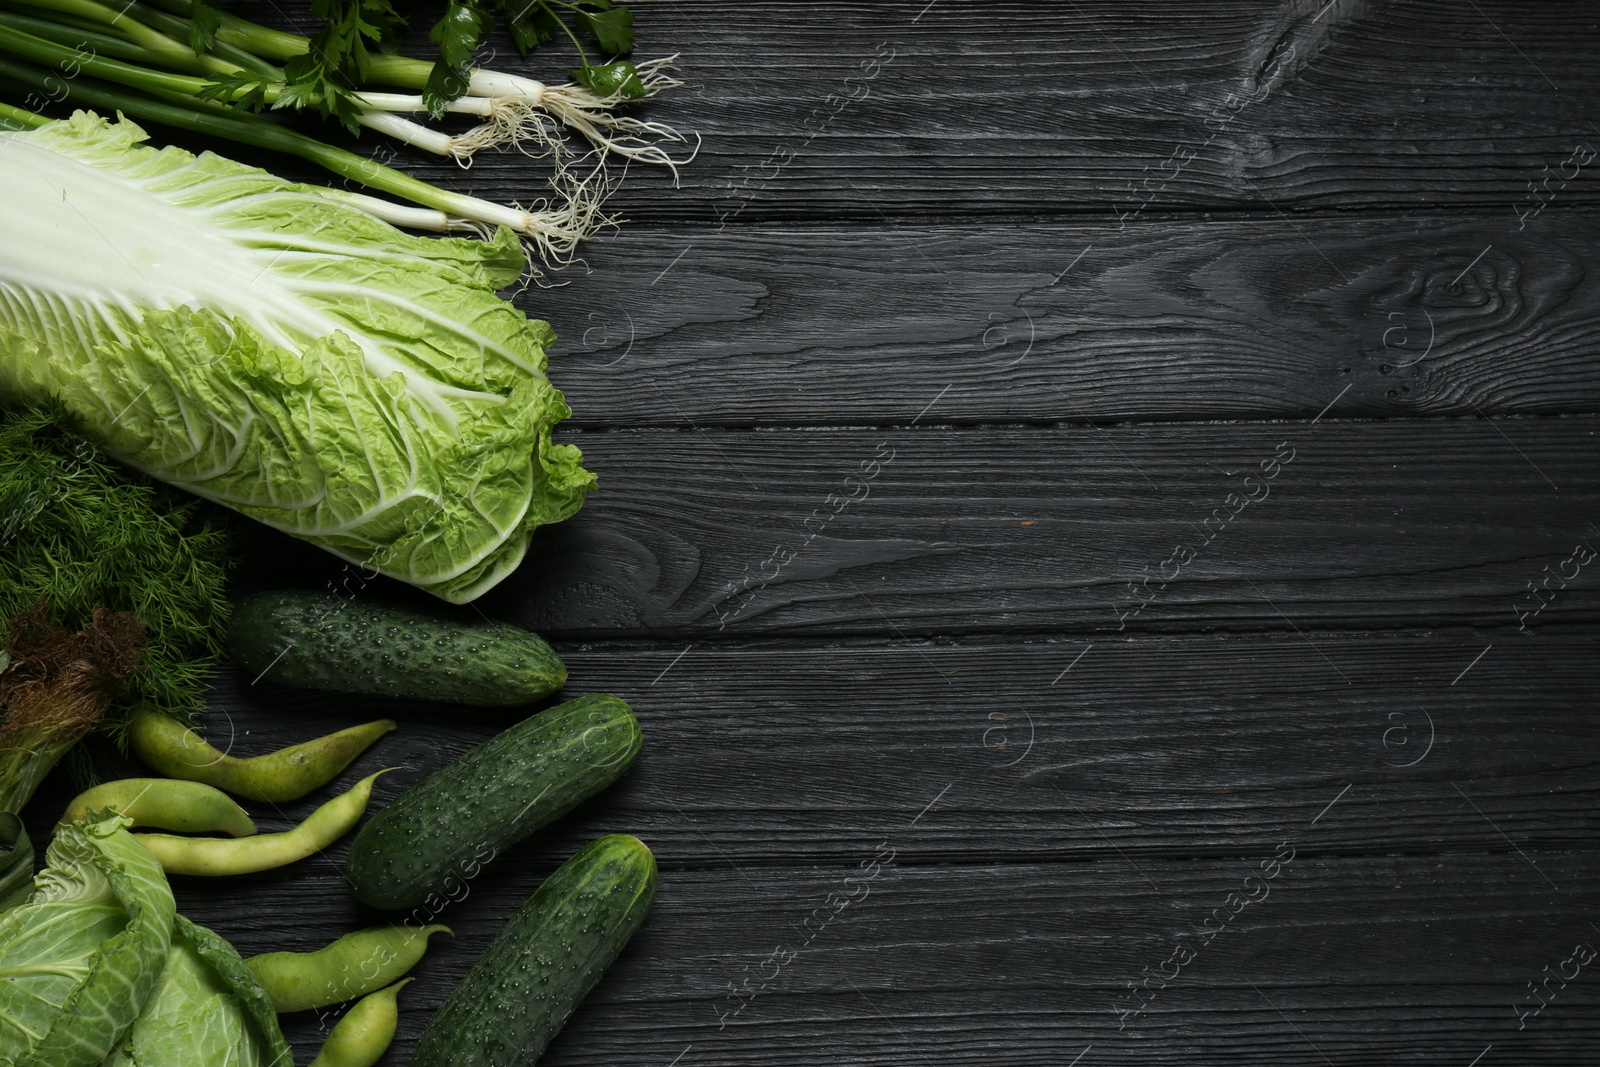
(531, 25)
(203, 21)
(243, 91)
(620, 77)
(611, 27)
(458, 34)
(339, 56)
(536, 22)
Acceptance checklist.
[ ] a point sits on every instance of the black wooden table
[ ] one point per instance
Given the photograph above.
(1097, 520)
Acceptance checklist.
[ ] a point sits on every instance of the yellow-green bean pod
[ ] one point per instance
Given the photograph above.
(277, 777)
(165, 804)
(362, 1037)
(357, 964)
(246, 855)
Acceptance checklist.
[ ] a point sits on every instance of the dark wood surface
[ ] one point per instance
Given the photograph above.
(903, 404)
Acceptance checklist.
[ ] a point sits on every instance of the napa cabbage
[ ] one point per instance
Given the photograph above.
(265, 346)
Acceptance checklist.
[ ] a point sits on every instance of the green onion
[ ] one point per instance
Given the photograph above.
(15, 118)
(158, 43)
(95, 41)
(155, 60)
(240, 57)
(554, 233)
(70, 61)
(576, 107)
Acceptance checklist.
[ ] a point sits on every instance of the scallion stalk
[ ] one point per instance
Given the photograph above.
(71, 60)
(119, 21)
(554, 233)
(179, 29)
(96, 41)
(16, 118)
(267, 43)
(84, 56)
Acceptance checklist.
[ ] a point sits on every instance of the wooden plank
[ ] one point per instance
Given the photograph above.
(1345, 960)
(772, 754)
(959, 532)
(1031, 882)
(1025, 965)
(1003, 322)
(903, 110)
(1398, 524)
(959, 110)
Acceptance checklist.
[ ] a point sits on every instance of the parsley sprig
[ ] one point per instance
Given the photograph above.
(533, 23)
(340, 56)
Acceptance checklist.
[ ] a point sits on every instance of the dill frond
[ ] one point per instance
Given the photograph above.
(78, 532)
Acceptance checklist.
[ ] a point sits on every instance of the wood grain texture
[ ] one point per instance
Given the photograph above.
(1378, 317)
(1026, 964)
(1348, 960)
(872, 113)
(1057, 818)
(905, 110)
(780, 753)
(1403, 957)
(695, 534)
(997, 274)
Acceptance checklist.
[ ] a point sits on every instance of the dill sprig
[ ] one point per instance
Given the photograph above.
(80, 532)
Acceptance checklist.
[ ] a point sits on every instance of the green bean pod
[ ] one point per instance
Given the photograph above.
(362, 1037)
(353, 966)
(165, 804)
(246, 855)
(277, 777)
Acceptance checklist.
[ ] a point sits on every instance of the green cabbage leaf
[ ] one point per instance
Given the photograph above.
(79, 956)
(16, 860)
(267, 347)
(207, 1009)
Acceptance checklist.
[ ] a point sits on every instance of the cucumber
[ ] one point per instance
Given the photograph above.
(555, 948)
(321, 641)
(438, 833)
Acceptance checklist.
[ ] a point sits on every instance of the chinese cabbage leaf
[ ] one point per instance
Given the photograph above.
(272, 349)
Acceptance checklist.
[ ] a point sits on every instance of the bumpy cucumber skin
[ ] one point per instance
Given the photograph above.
(439, 832)
(529, 980)
(320, 641)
